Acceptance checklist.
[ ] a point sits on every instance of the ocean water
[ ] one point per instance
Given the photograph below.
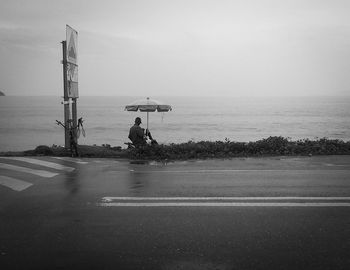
(26, 122)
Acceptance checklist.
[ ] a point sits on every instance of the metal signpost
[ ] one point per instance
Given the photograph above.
(70, 82)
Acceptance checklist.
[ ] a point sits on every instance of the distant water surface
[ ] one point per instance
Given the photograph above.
(26, 122)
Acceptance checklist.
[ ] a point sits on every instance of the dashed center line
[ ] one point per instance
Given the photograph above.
(225, 202)
(110, 199)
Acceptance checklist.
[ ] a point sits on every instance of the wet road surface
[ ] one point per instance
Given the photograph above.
(249, 213)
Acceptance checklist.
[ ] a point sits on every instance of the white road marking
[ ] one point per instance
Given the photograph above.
(220, 171)
(78, 161)
(15, 184)
(111, 199)
(223, 204)
(43, 163)
(41, 173)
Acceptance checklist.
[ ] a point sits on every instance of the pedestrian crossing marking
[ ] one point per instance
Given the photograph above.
(15, 184)
(43, 163)
(78, 161)
(18, 184)
(41, 173)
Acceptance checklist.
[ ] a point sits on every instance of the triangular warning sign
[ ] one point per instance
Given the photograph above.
(71, 48)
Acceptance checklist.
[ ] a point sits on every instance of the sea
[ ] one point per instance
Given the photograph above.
(26, 122)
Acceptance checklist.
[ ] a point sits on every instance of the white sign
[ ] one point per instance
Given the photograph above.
(72, 45)
(72, 62)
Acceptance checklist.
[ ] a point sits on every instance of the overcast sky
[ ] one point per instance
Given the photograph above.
(160, 48)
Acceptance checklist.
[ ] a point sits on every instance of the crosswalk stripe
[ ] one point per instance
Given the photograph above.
(15, 184)
(41, 173)
(78, 161)
(43, 163)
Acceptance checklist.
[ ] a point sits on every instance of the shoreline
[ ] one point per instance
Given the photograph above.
(271, 146)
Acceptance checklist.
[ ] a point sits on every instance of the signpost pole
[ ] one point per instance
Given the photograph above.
(75, 117)
(65, 96)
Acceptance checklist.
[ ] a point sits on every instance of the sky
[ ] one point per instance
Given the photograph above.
(178, 48)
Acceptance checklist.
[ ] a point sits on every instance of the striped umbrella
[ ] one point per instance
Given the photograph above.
(148, 105)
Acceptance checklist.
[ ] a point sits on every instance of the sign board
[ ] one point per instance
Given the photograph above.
(72, 62)
(72, 42)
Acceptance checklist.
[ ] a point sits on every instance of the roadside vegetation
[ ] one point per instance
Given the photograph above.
(271, 146)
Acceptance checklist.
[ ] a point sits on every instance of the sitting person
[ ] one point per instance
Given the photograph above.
(138, 136)
(136, 133)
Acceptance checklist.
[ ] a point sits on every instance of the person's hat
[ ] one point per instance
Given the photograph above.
(138, 120)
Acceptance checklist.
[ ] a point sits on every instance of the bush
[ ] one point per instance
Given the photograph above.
(270, 146)
(43, 150)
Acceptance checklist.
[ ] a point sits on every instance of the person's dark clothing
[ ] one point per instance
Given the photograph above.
(136, 135)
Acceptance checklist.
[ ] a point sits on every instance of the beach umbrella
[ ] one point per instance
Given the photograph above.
(148, 105)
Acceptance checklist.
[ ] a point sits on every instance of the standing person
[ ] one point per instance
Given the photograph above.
(136, 133)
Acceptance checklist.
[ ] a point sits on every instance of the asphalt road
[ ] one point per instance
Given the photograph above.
(249, 213)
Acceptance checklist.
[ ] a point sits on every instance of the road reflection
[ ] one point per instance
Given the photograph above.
(139, 179)
(72, 181)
